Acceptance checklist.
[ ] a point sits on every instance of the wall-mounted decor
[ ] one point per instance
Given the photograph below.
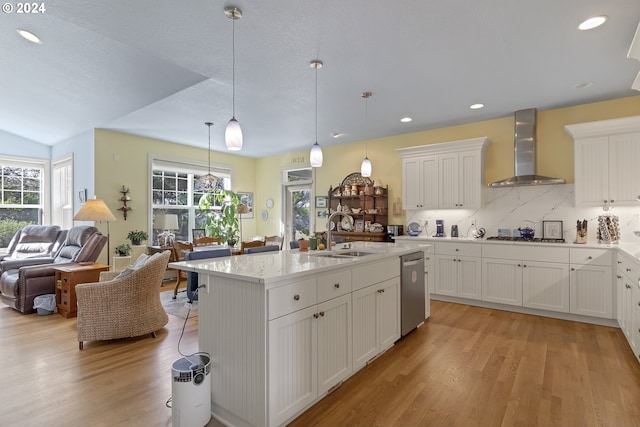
(247, 199)
(82, 194)
(124, 199)
(321, 202)
(322, 214)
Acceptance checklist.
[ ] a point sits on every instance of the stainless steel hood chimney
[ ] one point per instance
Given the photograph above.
(525, 154)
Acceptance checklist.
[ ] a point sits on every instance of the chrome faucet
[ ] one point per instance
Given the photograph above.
(333, 215)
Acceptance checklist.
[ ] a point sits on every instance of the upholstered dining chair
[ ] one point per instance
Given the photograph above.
(123, 305)
(259, 249)
(294, 244)
(181, 249)
(274, 241)
(192, 278)
(206, 241)
(251, 244)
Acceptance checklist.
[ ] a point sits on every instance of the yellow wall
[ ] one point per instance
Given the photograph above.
(263, 176)
(122, 159)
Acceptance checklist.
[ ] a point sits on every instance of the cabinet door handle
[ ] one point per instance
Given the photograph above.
(315, 315)
(619, 262)
(322, 313)
(457, 249)
(519, 265)
(380, 291)
(525, 265)
(296, 297)
(628, 269)
(589, 257)
(619, 276)
(573, 269)
(627, 286)
(336, 285)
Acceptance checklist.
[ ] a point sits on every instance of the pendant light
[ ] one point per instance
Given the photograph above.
(208, 182)
(315, 157)
(365, 167)
(233, 133)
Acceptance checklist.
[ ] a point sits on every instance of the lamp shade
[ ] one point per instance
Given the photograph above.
(94, 210)
(242, 208)
(233, 135)
(365, 167)
(315, 157)
(167, 222)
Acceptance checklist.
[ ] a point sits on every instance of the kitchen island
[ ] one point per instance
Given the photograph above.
(284, 328)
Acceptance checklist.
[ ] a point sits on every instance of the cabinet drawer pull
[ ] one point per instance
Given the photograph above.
(322, 314)
(519, 265)
(296, 297)
(573, 269)
(619, 276)
(524, 265)
(337, 285)
(315, 315)
(628, 269)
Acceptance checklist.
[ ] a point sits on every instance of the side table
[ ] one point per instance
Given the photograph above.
(67, 277)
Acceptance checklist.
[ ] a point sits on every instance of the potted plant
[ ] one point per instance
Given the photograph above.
(221, 209)
(137, 237)
(122, 250)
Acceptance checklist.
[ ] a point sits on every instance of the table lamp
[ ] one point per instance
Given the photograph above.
(167, 223)
(96, 210)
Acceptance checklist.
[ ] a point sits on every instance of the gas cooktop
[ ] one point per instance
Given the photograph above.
(523, 239)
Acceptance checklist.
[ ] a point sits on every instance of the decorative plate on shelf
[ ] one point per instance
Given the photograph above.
(331, 225)
(413, 229)
(346, 223)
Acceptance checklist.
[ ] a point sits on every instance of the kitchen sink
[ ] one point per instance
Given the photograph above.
(356, 253)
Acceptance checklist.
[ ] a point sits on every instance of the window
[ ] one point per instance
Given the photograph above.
(173, 193)
(297, 185)
(23, 189)
(62, 193)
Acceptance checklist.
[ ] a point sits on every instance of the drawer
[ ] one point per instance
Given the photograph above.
(463, 249)
(333, 285)
(494, 250)
(591, 256)
(545, 254)
(377, 272)
(289, 298)
(628, 267)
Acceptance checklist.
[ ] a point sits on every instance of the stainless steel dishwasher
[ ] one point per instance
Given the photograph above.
(412, 292)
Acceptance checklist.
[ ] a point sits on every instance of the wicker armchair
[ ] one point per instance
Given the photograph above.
(123, 307)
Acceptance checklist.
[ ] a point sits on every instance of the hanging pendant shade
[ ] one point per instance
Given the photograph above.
(365, 168)
(233, 132)
(209, 182)
(233, 135)
(315, 156)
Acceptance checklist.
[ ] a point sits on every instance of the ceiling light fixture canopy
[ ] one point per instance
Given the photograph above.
(315, 157)
(28, 35)
(208, 182)
(365, 167)
(233, 132)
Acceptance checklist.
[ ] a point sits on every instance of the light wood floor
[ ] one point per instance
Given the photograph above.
(467, 366)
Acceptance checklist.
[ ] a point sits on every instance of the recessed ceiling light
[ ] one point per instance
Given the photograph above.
(336, 134)
(29, 36)
(476, 106)
(583, 85)
(592, 23)
(406, 119)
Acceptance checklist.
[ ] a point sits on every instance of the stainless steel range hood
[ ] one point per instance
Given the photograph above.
(525, 154)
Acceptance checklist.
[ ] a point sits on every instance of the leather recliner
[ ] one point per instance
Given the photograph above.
(34, 241)
(24, 279)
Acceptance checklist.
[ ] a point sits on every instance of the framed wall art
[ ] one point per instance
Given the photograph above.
(552, 230)
(321, 202)
(247, 199)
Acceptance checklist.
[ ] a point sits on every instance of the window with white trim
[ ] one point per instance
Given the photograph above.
(23, 186)
(173, 193)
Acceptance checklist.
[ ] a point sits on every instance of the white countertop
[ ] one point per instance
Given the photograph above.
(632, 249)
(271, 267)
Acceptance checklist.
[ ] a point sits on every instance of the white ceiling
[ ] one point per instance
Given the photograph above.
(161, 68)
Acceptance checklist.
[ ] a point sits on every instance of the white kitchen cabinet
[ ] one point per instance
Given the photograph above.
(376, 320)
(422, 172)
(443, 176)
(628, 300)
(458, 270)
(606, 156)
(545, 286)
(502, 281)
(591, 282)
(311, 348)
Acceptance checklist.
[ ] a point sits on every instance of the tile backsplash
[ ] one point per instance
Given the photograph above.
(514, 207)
